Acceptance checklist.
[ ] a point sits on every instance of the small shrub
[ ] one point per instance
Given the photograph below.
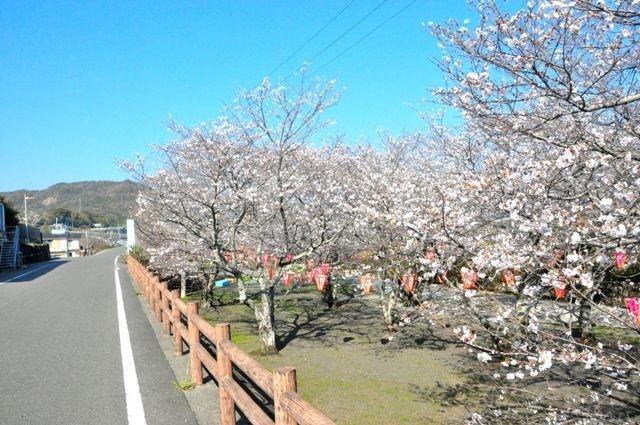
(140, 254)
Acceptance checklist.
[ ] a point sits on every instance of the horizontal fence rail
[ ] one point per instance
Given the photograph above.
(211, 350)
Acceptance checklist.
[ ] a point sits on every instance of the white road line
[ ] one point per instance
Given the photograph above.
(25, 274)
(135, 410)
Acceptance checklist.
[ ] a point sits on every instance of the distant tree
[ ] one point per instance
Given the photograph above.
(107, 220)
(10, 213)
(60, 214)
(81, 219)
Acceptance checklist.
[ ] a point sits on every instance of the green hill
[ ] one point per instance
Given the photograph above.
(80, 204)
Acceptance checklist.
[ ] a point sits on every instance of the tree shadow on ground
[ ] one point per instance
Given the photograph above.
(421, 335)
(486, 390)
(356, 320)
(351, 320)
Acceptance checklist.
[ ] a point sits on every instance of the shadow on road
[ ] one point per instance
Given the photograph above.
(29, 273)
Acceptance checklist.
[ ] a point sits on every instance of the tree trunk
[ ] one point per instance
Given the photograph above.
(329, 294)
(521, 332)
(265, 315)
(388, 306)
(584, 330)
(183, 284)
(208, 291)
(242, 290)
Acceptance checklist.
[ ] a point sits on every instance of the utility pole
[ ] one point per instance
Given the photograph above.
(26, 217)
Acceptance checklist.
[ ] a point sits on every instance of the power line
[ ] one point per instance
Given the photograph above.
(312, 38)
(376, 28)
(348, 30)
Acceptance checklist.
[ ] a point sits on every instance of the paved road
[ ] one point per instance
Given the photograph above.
(61, 357)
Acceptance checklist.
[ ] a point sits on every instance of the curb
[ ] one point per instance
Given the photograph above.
(203, 400)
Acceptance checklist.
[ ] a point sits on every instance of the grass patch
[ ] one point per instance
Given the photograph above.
(356, 386)
(615, 335)
(184, 385)
(242, 321)
(194, 296)
(249, 343)
(225, 296)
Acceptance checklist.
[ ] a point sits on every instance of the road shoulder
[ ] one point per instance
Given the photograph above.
(203, 400)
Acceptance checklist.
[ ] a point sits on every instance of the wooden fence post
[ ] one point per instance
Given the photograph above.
(157, 298)
(177, 324)
(148, 289)
(284, 380)
(194, 343)
(138, 277)
(227, 408)
(166, 321)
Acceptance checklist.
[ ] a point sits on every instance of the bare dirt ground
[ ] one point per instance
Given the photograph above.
(351, 368)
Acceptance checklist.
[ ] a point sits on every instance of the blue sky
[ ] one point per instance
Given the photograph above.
(83, 84)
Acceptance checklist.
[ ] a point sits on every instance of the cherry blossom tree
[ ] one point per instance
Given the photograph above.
(551, 93)
(188, 202)
(240, 196)
(386, 199)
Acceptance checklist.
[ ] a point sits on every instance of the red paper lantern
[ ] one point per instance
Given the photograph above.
(508, 277)
(409, 281)
(322, 280)
(270, 271)
(560, 288)
(366, 283)
(560, 292)
(469, 278)
(620, 258)
(289, 277)
(633, 306)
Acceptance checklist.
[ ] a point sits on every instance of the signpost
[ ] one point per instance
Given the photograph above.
(131, 234)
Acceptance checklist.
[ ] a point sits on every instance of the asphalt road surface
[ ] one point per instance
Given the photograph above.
(73, 351)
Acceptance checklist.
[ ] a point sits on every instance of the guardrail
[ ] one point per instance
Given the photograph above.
(264, 398)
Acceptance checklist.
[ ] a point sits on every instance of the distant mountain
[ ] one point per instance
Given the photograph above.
(97, 198)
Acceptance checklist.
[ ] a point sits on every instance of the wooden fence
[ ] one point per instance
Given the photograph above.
(211, 349)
